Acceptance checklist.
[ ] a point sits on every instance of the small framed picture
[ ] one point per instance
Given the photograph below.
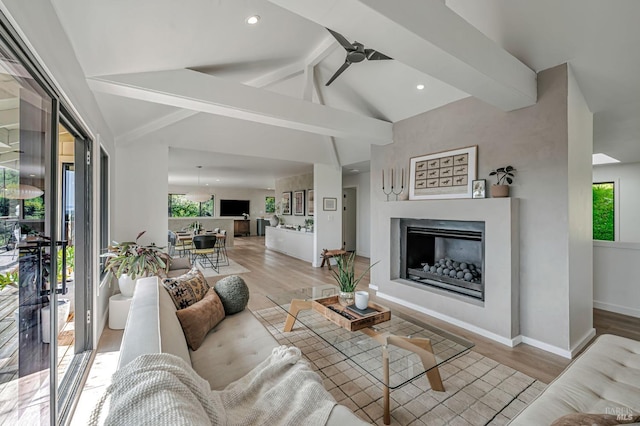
(310, 211)
(329, 204)
(286, 203)
(298, 203)
(479, 188)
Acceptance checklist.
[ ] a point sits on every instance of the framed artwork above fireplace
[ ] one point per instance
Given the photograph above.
(447, 174)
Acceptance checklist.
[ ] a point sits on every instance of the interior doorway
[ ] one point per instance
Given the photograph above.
(349, 219)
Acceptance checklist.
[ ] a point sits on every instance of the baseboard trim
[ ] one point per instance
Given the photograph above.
(373, 287)
(617, 309)
(546, 347)
(583, 342)
(475, 329)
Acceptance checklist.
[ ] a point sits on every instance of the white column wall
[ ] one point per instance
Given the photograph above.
(327, 183)
(580, 140)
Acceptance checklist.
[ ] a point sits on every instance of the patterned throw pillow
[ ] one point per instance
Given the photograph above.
(199, 318)
(186, 289)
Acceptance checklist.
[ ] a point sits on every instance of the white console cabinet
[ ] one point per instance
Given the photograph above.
(297, 244)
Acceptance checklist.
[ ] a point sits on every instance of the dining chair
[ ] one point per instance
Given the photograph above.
(205, 249)
(221, 248)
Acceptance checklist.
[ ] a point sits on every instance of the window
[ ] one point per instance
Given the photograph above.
(179, 206)
(603, 211)
(270, 204)
(104, 206)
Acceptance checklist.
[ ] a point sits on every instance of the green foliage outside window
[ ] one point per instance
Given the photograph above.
(603, 212)
(270, 204)
(179, 206)
(34, 208)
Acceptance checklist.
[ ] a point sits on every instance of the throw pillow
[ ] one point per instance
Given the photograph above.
(234, 294)
(186, 289)
(580, 419)
(199, 318)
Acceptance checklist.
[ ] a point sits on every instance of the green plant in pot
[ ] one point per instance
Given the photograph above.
(504, 177)
(345, 276)
(129, 260)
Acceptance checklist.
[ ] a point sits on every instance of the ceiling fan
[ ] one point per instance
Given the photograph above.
(355, 53)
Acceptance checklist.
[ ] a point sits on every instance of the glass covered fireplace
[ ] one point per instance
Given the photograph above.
(446, 254)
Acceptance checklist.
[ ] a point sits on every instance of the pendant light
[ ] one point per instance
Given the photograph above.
(198, 196)
(21, 192)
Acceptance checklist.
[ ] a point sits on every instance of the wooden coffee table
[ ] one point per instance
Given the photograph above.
(394, 352)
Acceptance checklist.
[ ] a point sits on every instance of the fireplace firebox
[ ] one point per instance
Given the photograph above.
(445, 254)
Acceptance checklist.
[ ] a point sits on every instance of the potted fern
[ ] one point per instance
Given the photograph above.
(345, 276)
(504, 177)
(129, 260)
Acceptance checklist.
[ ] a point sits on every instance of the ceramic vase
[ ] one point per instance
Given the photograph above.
(274, 220)
(346, 298)
(127, 285)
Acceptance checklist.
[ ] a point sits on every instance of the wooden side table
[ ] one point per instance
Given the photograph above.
(118, 311)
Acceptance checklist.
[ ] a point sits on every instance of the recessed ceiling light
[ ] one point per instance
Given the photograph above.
(217, 180)
(603, 159)
(354, 170)
(420, 86)
(252, 20)
(206, 184)
(32, 175)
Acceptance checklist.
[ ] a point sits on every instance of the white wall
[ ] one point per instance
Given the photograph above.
(627, 182)
(615, 288)
(141, 192)
(39, 27)
(362, 182)
(535, 141)
(580, 140)
(255, 196)
(328, 224)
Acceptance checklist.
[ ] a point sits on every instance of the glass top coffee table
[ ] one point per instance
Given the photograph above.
(394, 352)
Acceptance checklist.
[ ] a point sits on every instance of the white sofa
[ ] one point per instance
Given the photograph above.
(605, 379)
(232, 349)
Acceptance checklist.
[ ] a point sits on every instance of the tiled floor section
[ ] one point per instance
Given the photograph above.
(479, 391)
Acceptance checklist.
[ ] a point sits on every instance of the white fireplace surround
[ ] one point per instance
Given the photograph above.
(498, 317)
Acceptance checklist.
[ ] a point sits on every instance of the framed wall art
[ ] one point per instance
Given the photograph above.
(310, 209)
(329, 204)
(298, 203)
(447, 174)
(286, 203)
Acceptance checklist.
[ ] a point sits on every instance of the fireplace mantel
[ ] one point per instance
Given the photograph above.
(497, 317)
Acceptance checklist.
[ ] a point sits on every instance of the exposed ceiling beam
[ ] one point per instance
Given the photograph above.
(276, 76)
(154, 125)
(9, 117)
(205, 93)
(430, 37)
(331, 141)
(9, 137)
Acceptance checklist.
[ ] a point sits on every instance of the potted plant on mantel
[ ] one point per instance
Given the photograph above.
(504, 176)
(129, 260)
(344, 274)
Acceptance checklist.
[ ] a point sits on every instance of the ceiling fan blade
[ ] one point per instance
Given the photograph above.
(340, 71)
(374, 55)
(342, 40)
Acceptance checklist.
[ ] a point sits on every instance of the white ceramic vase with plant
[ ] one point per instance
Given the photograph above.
(345, 276)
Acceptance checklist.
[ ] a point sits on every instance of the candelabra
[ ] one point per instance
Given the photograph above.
(393, 189)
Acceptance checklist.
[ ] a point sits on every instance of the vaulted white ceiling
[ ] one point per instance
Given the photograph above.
(195, 74)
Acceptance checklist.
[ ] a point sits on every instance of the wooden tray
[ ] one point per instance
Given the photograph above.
(322, 306)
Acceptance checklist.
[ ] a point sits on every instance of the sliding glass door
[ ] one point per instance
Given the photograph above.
(45, 247)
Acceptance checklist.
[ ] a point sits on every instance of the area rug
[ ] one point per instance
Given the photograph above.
(234, 268)
(479, 390)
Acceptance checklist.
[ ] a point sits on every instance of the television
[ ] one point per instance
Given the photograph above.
(234, 207)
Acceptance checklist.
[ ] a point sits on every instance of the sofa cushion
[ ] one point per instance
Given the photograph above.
(187, 289)
(172, 338)
(605, 379)
(232, 349)
(199, 318)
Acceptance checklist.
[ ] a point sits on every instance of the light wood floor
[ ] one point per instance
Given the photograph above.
(272, 272)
